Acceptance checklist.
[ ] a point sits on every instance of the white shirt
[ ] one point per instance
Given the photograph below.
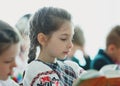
(8, 82)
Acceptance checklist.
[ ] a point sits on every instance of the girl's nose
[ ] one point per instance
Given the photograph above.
(70, 45)
(14, 64)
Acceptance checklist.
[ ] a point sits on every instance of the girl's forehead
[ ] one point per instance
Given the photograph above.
(66, 28)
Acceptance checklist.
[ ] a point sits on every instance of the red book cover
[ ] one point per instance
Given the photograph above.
(113, 81)
(98, 81)
(109, 75)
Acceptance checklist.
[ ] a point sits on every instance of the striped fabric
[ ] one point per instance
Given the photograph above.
(65, 73)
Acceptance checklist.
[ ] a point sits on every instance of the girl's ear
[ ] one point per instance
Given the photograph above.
(42, 38)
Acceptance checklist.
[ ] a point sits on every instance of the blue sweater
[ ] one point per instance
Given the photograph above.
(100, 60)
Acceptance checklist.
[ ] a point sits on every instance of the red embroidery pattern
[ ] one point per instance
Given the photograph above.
(45, 79)
(39, 74)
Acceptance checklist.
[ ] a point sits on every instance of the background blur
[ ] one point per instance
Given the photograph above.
(95, 17)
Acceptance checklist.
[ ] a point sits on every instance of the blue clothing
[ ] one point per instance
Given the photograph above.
(100, 60)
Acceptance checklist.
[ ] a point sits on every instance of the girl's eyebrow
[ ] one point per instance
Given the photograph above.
(12, 58)
(64, 34)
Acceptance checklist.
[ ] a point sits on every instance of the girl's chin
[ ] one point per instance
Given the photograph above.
(62, 58)
(4, 79)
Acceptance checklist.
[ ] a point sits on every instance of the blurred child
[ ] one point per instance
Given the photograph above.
(52, 30)
(78, 53)
(111, 55)
(23, 27)
(9, 49)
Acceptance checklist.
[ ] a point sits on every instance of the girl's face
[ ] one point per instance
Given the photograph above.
(73, 50)
(7, 61)
(60, 43)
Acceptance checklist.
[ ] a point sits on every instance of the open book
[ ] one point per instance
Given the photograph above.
(108, 75)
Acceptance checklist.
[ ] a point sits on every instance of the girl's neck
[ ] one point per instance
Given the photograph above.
(46, 59)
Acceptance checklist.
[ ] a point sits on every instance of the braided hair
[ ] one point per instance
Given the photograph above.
(46, 20)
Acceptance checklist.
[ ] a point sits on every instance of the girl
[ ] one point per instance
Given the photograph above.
(9, 48)
(51, 29)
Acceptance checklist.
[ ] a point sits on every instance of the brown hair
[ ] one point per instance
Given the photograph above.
(46, 20)
(114, 37)
(8, 36)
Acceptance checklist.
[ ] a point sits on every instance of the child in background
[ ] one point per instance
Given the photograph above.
(78, 53)
(52, 30)
(9, 49)
(111, 55)
(23, 27)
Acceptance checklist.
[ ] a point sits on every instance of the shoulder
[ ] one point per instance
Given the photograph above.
(77, 69)
(33, 65)
(101, 54)
(98, 63)
(71, 63)
(99, 60)
(36, 72)
(36, 67)
(100, 57)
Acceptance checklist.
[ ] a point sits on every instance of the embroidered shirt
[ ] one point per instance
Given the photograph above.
(39, 73)
(64, 72)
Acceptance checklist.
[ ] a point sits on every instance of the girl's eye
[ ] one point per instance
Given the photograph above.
(63, 39)
(7, 62)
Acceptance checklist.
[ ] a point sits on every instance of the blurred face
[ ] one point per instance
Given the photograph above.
(60, 43)
(116, 55)
(7, 61)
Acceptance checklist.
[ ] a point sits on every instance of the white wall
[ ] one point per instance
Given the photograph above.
(96, 17)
